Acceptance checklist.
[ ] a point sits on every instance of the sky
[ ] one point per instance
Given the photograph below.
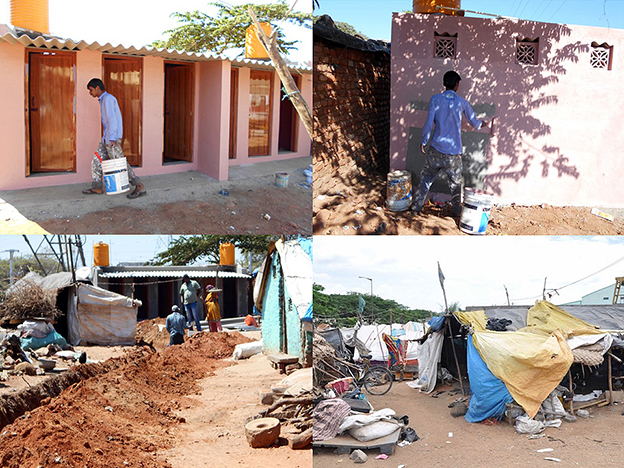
(133, 248)
(373, 18)
(140, 23)
(476, 269)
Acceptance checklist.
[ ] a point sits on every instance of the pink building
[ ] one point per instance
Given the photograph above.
(181, 111)
(555, 92)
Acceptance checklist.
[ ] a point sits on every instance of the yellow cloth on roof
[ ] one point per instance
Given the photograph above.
(213, 311)
(545, 318)
(476, 319)
(531, 365)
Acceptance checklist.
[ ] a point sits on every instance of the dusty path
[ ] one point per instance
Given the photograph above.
(588, 442)
(152, 409)
(360, 210)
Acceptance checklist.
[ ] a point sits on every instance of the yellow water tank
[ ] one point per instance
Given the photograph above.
(31, 14)
(429, 6)
(226, 254)
(100, 254)
(253, 47)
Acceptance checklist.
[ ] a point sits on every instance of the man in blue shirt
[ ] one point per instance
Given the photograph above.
(176, 323)
(110, 145)
(444, 153)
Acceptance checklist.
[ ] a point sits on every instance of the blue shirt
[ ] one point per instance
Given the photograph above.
(446, 111)
(111, 118)
(175, 323)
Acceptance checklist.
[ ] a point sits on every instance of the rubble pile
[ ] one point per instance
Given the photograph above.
(28, 300)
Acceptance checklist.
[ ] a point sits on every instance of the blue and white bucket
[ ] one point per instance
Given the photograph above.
(281, 179)
(475, 211)
(399, 190)
(115, 173)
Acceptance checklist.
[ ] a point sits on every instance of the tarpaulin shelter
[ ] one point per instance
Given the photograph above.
(283, 295)
(530, 361)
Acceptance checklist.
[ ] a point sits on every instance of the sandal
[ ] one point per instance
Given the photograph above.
(136, 194)
(92, 191)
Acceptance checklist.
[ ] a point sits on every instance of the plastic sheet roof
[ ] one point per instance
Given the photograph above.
(173, 274)
(44, 41)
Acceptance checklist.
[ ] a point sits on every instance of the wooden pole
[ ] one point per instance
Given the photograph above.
(461, 380)
(610, 381)
(571, 391)
(270, 44)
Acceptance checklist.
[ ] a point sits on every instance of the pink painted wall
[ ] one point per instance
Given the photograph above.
(556, 137)
(211, 133)
(242, 136)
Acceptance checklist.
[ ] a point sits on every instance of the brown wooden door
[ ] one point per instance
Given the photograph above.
(261, 94)
(178, 142)
(289, 120)
(123, 79)
(233, 111)
(51, 111)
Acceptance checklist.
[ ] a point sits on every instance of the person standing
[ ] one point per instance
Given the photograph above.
(190, 293)
(213, 311)
(175, 324)
(445, 150)
(110, 145)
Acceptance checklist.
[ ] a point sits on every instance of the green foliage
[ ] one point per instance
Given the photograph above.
(25, 264)
(188, 249)
(200, 32)
(341, 309)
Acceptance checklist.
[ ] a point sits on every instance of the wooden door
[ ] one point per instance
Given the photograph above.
(179, 94)
(123, 79)
(51, 111)
(261, 94)
(289, 120)
(233, 111)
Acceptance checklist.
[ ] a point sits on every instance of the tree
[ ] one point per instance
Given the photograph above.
(346, 28)
(188, 249)
(200, 32)
(25, 264)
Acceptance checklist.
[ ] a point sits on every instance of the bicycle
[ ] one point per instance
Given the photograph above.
(375, 379)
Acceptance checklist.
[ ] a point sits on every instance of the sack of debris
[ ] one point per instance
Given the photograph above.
(245, 350)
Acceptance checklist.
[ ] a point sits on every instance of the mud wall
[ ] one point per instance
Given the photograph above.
(351, 114)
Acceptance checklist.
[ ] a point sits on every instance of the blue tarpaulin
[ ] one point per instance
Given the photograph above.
(436, 323)
(489, 394)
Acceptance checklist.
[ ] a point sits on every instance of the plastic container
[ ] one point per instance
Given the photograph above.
(31, 14)
(115, 176)
(475, 211)
(253, 47)
(429, 6)
(226, 254)
(399, 190)
(281, 179)
(308, 174)
(100, 254)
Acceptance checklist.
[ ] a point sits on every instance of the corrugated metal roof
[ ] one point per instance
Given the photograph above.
(57, 43)
(173, 274)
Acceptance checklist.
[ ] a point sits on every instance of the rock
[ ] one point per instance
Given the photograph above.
(569, 418)
(358, 456)
(459, 409)
(262, 432)
(267, 398)
(582, 413)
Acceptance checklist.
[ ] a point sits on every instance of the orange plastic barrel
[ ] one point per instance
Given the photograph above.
(253, 47)
(31, 14)
(100, 254)
(429, 6)
(226, 254)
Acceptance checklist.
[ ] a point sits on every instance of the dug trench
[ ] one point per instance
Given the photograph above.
(122, 412)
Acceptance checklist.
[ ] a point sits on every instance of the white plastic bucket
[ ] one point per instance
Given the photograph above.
(475, 211)
(115, 176)
(399, 190)
(281, 179)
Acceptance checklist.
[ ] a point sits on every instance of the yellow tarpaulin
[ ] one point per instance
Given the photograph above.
(476, 319)
(545, 318)
(531, 365)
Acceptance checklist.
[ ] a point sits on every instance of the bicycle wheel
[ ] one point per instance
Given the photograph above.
(378, 381)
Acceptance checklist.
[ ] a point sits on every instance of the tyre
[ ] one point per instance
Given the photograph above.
(378, 381)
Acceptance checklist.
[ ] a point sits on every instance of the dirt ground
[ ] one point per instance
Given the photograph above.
(183, 407)
(243, 211)
(587, 442)
(361, 210)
